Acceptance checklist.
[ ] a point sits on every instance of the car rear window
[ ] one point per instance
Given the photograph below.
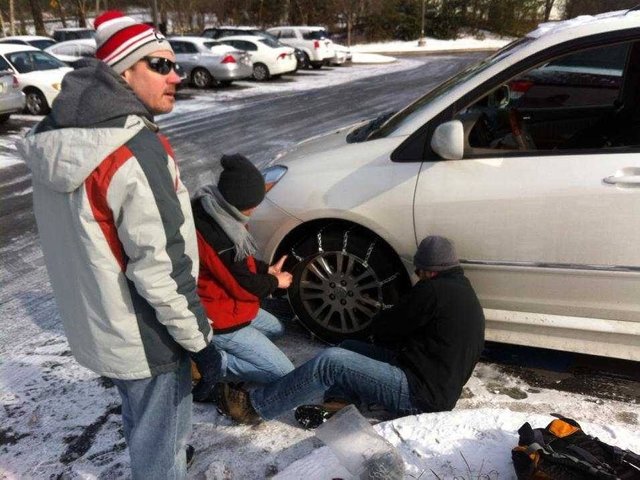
(211, 44)
(315, 35)
(269, 42)
(42, 44)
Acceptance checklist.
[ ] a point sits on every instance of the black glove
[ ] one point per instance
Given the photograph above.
(209, 363)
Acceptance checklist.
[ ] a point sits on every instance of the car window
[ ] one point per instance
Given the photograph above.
(287, 33)
(244, 45)
(592, 77)
(574, 102)
(210, 33)
(269, 43)
(189, 47)
(315, 34)
(4, 65)
(42, 44)
(415, 109)
(25, 62)
(14, 42)
(211, 43)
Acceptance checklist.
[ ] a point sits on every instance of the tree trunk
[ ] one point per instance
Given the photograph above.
(81, 13)
(548, 6)
(36, 12)
(12, 17)
(61, 14)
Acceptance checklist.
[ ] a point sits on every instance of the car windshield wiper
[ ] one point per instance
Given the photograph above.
(360, 134)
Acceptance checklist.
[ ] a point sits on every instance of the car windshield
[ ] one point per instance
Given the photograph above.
(315, 34)
(444, 88)
(262, 33)
(269, 43)
(25, 62)
(42, 44)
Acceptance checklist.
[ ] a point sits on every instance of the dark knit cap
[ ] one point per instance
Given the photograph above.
(436, 254)
(241, 183)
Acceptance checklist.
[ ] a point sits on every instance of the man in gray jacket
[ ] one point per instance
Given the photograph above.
(119, 242)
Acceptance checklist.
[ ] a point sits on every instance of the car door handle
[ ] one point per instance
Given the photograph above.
(628, 176)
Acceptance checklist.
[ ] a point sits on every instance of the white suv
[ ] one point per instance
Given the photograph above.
(528, 160)
(313, 41)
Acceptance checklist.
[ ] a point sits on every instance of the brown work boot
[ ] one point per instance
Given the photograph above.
(233, 401)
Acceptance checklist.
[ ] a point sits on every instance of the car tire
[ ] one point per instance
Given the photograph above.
(261, 72)
(307, 62)
(345, 276)
(201, 78)
(35, 102)
(317, 65)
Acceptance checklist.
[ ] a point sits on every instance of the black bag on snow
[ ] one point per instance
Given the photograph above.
(562, 451)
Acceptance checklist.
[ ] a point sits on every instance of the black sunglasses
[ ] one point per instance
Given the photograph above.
(161, 65)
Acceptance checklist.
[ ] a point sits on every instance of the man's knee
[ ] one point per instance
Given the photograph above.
(334, 356)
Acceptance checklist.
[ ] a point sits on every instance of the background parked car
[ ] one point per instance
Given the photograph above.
(11, 97)
(208, 62)
(73, 33)
(32, 40)
(218, 32)
(313, 41)
(39, 75)
(72, 51)
(269, 58)
(542, 202)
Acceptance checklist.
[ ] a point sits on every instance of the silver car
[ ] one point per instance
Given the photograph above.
(528, 160)
(11, 97)
(207, 62)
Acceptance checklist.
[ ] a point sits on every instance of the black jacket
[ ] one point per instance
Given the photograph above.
(438, 332)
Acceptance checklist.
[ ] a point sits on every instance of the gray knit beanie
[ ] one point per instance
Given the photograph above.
(436, 254)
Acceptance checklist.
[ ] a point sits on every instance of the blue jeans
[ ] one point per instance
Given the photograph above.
(248, 354)
(355, 371)
(156, 415)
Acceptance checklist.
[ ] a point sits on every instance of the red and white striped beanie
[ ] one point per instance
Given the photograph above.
(122, 41)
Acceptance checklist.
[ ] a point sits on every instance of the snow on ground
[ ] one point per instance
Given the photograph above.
(59, 420)
(486, 41)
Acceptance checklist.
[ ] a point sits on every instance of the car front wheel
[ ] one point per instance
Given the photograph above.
(36, 103)
(345, 276)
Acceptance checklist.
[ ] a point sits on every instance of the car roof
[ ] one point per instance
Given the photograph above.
(233, 27)
(193, 38)
(72, 29)
(585, 25)
(301, 27)
(25, 37)
(76, 41)
(10, 48)
(249, 38)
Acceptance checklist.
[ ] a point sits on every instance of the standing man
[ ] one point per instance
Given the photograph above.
(119, 242)
(426, 348)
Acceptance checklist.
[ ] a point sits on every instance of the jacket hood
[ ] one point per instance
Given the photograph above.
(95, 113)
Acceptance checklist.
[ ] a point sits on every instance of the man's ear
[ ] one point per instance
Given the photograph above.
(127, 75)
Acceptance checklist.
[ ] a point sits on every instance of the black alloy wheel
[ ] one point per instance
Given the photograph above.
(345, 276)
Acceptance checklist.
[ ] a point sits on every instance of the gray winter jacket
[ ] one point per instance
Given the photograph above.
(116, 229)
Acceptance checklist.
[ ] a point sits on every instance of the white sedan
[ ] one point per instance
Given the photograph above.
(73, 51)
(540, 191)
(269, 58)
(39, 75)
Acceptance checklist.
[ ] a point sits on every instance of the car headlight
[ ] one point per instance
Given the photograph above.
(56, 86)
(272, 175)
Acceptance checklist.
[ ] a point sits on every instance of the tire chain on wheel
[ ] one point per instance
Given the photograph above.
(354, 241)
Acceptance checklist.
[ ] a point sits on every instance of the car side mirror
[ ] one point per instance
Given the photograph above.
(448, 140)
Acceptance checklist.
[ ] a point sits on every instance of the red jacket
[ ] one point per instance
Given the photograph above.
(228, 305)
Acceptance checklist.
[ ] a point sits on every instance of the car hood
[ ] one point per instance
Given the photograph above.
(314, 145)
